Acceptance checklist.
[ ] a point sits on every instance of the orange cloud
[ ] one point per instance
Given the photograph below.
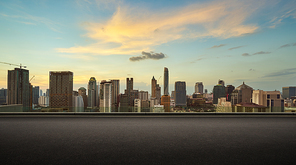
(132, 30)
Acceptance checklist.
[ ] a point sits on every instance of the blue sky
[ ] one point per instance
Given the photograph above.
(251, 41)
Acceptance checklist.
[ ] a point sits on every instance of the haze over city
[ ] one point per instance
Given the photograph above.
(236, 41)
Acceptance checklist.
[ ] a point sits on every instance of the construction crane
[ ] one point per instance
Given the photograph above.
(31, 78)
(21, 66)
(159, 78)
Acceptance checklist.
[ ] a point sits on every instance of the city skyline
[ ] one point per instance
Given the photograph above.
(198, 41)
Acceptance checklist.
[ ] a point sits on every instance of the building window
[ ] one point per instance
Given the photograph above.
(268, 96)
(278, 96)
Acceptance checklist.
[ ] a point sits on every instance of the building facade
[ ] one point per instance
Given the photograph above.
(166, 82)
(92, 93)
(288, 92)
(115, 92)
(18, 88)
(60, 89)
(3, 96)
(166, 102)
(199, 87)
(82, 93)
(242, 94)
(106, 96)
(270, 99)
(180, 93)
(218, 92)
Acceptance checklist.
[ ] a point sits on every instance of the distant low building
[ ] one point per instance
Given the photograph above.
(249, 107)
(270, 99)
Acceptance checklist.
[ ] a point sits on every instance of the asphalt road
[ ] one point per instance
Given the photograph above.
(147, 140)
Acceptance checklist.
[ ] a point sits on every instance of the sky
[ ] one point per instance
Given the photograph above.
(237, 41)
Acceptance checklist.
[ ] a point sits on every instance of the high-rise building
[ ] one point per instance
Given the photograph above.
(18, 87)
(40, 93)
(43, 101)
(105, 96)
(130, 92)
(82, 93)
(60, 89)
(166, 82)
(92, 92)
(173, 95)
(218, 92)
(3, 95)
(228, 90)
(158, 92)
(166, 102)
(35, 94)
(180, 93)
(143, 95)
(153, 86)
(115, 92)
(221, 82)
(288, 92)
(241, 94)
(199, 87)
(47, 92)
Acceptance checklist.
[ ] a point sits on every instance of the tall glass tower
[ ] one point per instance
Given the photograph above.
(166, 81)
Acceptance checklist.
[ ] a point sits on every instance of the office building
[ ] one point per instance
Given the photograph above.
(288, 92)
(199, 87)
(143, 95)
(228, 90)
(60, 89)
(115, 92)
(166, 102)
(82, 93)
(35, 94)
(153, 86)
(242, 93)
(3, 95)
(43, 101)
(270, 99)
(130, 92)
(105, 96)
(180, 93)
(218, 92)
(166, 82)
(18, 88)
(92, 93)
(158, 92)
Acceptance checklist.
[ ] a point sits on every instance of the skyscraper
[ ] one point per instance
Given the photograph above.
(115, 92)
(153, 85)
(180, 93)
(105, 96)
(60, 89)
(199, 87)
(166, 102)
(92, 92)
(82, 93)
(166, 82)
(218, 92)
(18, 87)
(35, 94)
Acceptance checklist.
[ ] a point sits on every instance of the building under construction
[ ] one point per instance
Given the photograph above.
(60, 89)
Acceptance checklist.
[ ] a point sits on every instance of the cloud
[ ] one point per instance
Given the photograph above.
(134, 29)
(146, 55)
(261, 53)
(284, 72)
(287, 11)
(217, 46)
(251, 69)
(235, 47)
(197, 60)
(246, 54)
(37, 20)
(294, 44)
(284, 46)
